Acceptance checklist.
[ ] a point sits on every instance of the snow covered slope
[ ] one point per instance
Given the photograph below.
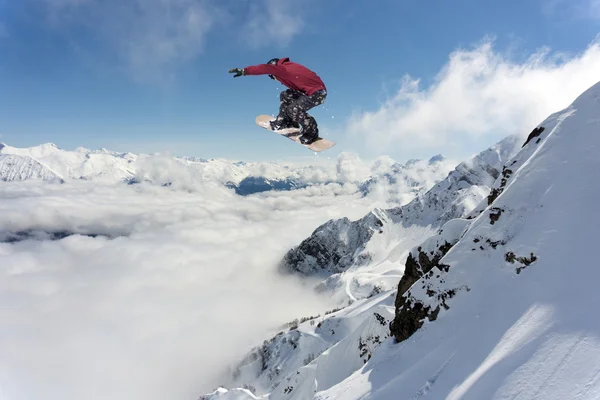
(314, 352)
(80, 164)
(20, 168)
(461, 191)
(341, 244)
(500, 304)
(507, 313)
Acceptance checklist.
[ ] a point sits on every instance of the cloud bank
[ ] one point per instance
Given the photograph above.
(153, 290)
(480, 92)
(177, 286)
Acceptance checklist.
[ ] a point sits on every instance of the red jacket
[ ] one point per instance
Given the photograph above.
(291, 74)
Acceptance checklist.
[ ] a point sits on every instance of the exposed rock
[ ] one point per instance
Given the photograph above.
(524, 261)
(495, 192)
(334, 246)
(535, 133)
(416, 268)
(410, 317)
(424, 261)
(495, 213)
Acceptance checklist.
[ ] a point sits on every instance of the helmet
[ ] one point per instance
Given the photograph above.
(273, 61)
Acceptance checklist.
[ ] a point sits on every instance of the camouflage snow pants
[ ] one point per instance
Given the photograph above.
(293, 107)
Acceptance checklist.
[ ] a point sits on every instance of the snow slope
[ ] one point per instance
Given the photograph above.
(80, 164)
(359, 258)
(519, 286)
(306, 355)
(502, 302)
(20, 168)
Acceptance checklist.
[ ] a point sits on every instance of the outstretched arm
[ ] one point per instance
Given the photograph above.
(261, 69)
(264, 69)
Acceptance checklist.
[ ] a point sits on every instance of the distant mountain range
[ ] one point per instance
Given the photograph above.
(47, 162)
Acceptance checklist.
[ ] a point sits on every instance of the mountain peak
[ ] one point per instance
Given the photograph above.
(436, 158)
(412, 161)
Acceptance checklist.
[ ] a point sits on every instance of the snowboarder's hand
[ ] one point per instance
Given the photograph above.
(237, 72)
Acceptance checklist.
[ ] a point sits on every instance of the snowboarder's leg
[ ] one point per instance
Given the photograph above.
(283, 120)
(297, 112)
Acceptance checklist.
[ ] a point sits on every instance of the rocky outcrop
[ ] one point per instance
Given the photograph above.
(335, 245)
(424, 261)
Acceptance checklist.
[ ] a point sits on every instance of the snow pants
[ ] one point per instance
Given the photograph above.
(293, 107)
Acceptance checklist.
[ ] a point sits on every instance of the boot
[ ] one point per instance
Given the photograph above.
(308, 138)
(278, 124)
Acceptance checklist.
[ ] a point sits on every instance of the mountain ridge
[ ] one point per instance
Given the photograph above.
(495, 304)
(48, 162)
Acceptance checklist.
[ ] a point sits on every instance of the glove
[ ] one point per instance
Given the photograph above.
(237, 72)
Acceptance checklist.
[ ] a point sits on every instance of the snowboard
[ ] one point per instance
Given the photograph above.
(294, 134)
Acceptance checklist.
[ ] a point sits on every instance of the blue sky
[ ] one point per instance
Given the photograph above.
(406, 79)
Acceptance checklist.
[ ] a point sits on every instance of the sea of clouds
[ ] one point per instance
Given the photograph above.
(155, 290)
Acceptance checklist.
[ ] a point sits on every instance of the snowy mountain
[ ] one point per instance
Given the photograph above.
(461, 191)
(497, 304)
(46, 160)
(341, 244)
(49, 163)
(20, 168)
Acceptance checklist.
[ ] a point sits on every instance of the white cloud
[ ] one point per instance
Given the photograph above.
(274, 21)
(351, 168)
(479, 92)
(159, 312)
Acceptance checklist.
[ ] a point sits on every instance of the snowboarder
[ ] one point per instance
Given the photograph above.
(306, 90)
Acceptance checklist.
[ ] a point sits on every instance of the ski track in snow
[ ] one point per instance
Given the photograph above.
(431, 381)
